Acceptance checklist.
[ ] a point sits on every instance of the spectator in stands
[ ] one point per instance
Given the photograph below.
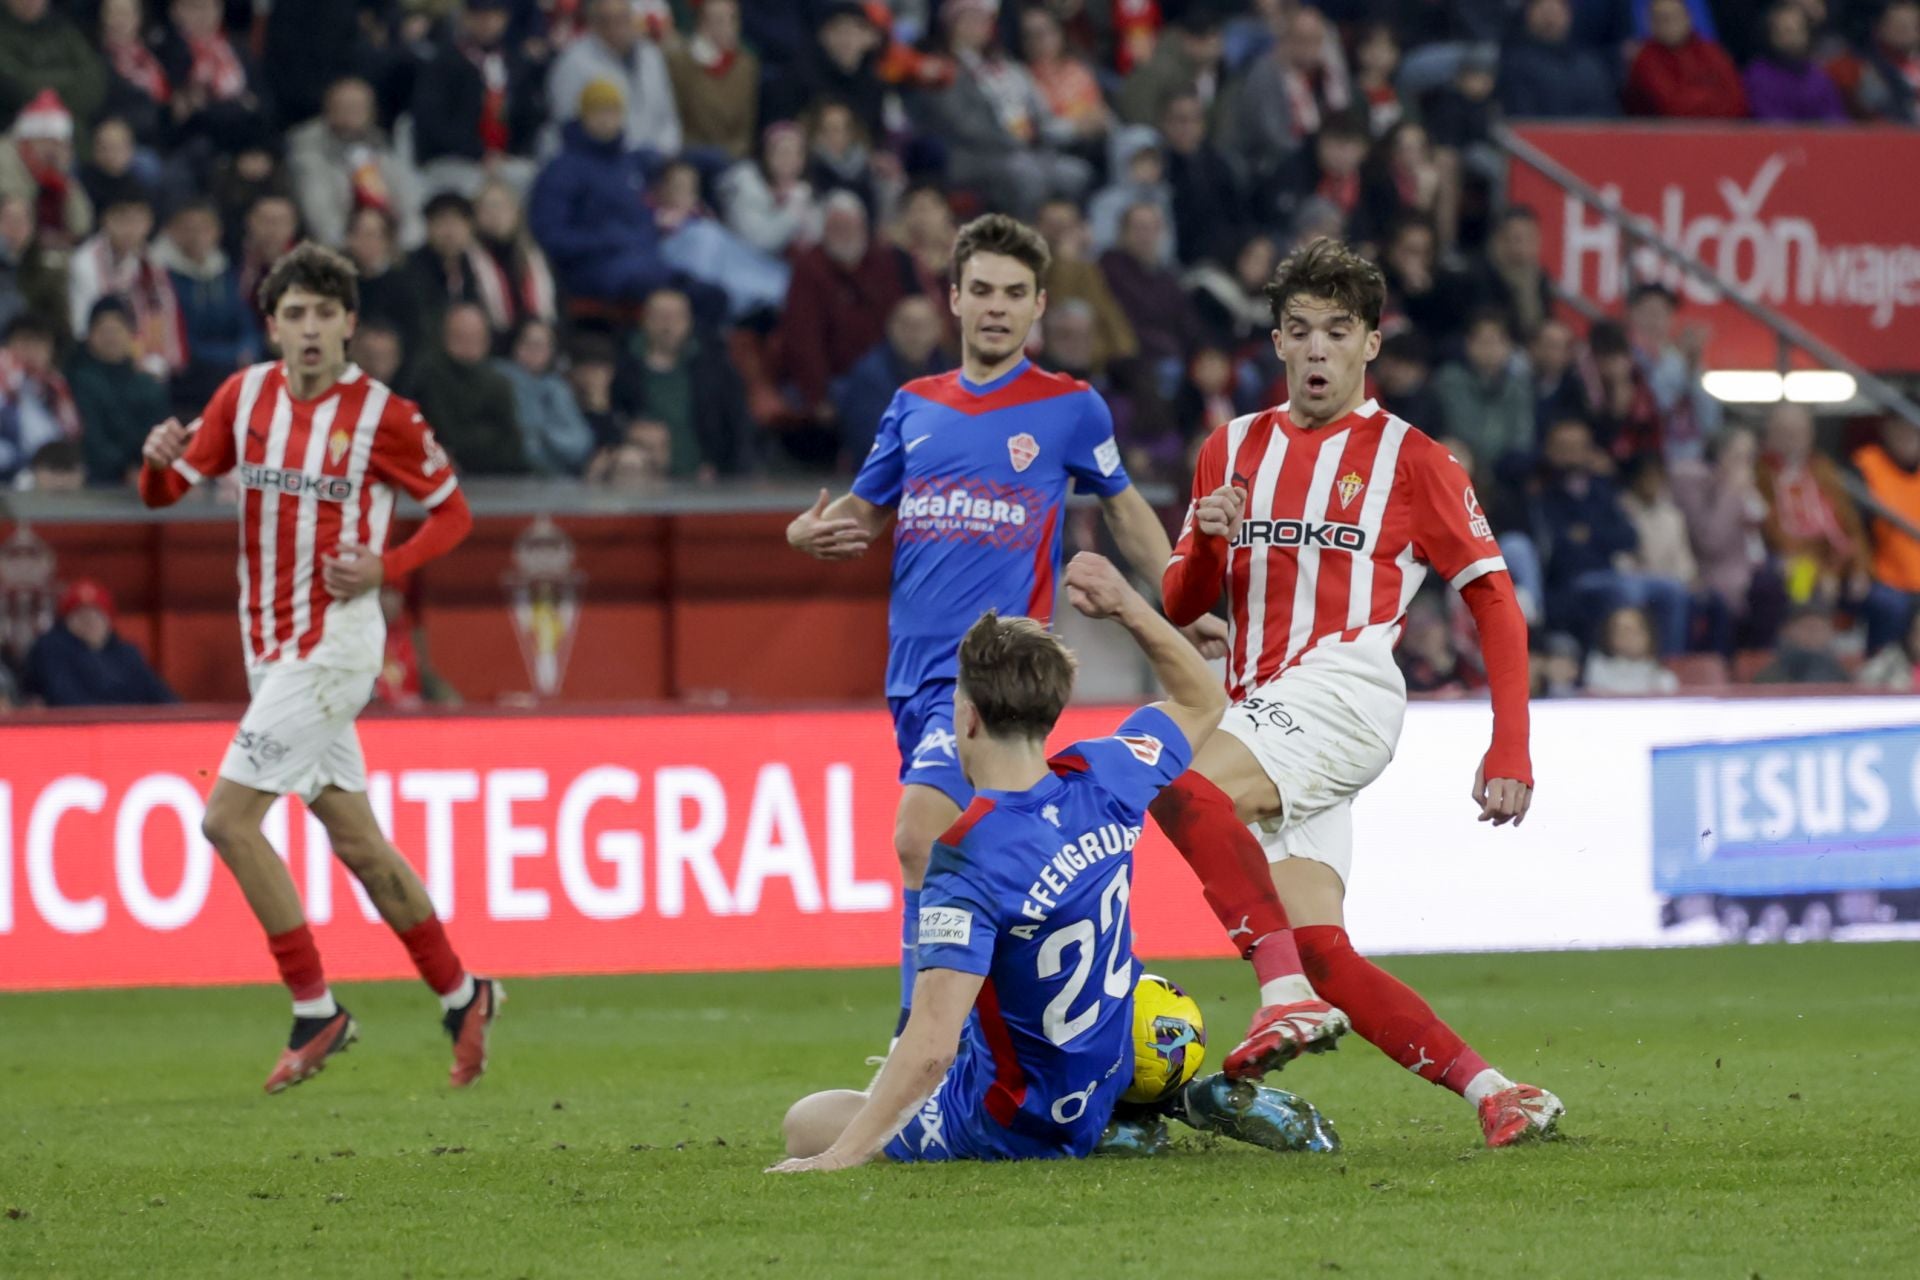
(388, 289)
(119, 402)
(768, 201)
(1679, 73)
(842, 291)
(118, 263)
(839, 66)
(1805, 655)
(1209, 213)
(1554, 669)
(137, 87)
(1400, 178)
(616, 51)
(1141, 177)
(1785, 83)
(1001, 137)
(1663, 550)
(220, 332)
(215, 91)
(271, 229)
(407, 679)
(379, 348)
(1890, 468)
(1582, 531)
(109, 170)
(1066, 83)
(36, 164)
(1229, 295)
(558, 440)
(1149, 292)
(1889, 77)
(1328, 169)
(586, 208)
(1895, 668)
(1426, 653)
(725, 275)
(1511, 277)
(1625, 661)
(1544, 74)
(1426, 294)
(41, 50)
(447, 268)
(1376, 60)
(1075, 276)
(911, 350)
(32, 282)
(1558, 389)
(83, 662)
(58, 466)
(1460, 113)
(343, 161)
(477, 106)
(1289, 93)
(1402, 375)
(840, 158)
(1485, 399)
(1187, 58)
(470, 404)
(1626, 416)
(684, 383)
(925, 231)
(1812, 524)
(592, 359)
(1672, 356)
(1205, 401)
(516, 281)
(308, 45)
(36, 405)
(716, 82)
(1726, 517)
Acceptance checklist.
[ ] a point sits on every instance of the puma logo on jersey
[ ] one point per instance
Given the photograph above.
(1301, 533)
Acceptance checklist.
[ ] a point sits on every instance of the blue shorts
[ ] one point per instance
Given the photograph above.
(954, 1125)
(923, 729)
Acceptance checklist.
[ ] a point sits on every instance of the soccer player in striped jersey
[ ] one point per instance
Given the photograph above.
(320, 448)
(973, 467)
(1321, 519)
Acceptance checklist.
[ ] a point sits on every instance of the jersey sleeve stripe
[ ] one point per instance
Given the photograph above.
(186, 472)
(441, 494)
(1478, 569)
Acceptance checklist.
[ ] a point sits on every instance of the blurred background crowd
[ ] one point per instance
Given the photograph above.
(644, 244)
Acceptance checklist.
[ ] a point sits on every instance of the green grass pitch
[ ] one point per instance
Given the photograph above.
(1732, 1113)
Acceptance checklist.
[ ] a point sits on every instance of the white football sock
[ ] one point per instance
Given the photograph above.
(321, 1006)
(1488, 1082)
(1288, 990)
(459, 996)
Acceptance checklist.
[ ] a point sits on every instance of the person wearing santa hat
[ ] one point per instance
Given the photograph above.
(36, 163)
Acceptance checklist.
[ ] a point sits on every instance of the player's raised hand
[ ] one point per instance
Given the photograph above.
(826, 1162)
(164, 444)
(1218, 514)
(822, 538)
(1096, 588)
(1501, 800)
(350, 572)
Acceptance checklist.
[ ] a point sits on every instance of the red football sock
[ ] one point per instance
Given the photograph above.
(433, 956)
(299, 962)
(1199, 818)
(1386, 1011)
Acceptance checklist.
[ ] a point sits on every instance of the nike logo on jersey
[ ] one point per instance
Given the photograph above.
(917, 441)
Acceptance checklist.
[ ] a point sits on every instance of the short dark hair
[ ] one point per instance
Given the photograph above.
(58, 455)
(111, 305)
(1017, 674)
(1651, 289)
(1480, 316)
(1520, 213)
(1607, 338)
(1004, 235)
(1408, 346)
(315, 268)
(448, 202)
(1328, 269)
(27, 325)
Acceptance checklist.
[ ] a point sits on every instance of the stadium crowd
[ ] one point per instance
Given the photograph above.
(640, 244)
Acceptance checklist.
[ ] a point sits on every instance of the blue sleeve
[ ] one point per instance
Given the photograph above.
(958, 924)
(881, 474)
(1144, 754)
(1094, 456)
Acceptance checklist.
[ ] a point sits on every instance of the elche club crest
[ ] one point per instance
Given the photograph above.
(1349, 487)
(1023, 449)
(543, 595)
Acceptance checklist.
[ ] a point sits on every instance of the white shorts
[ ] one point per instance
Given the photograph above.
(1319, 754)
(297, 737)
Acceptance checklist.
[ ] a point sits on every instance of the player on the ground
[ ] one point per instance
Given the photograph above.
(1322, 517)
(975, 465)
(1021, 1038)
(320, 448)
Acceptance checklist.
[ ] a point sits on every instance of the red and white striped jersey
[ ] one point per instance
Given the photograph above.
(315, 476)
(1341, 524)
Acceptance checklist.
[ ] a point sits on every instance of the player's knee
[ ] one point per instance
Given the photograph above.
(225, 827)
(801, 1134)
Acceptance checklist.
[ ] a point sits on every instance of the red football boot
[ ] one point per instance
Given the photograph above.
(313, 1041)
(468, 1026)
(1282, 1032)
(1519, 1114)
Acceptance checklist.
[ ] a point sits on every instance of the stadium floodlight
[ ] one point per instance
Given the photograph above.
(1743, 386)
(1820, 386)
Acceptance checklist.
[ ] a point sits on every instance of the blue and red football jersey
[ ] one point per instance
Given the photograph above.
(1030, 889)
(978, 475)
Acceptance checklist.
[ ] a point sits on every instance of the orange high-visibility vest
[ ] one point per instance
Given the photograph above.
(1896, 557)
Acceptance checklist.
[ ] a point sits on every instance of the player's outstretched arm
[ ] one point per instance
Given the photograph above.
(1503, 784)
(1195, 699)
(942, 999)
(840, 529)
(1143, 541)
(161, 484)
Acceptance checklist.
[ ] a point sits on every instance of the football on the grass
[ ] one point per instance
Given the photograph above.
(1169, 1039)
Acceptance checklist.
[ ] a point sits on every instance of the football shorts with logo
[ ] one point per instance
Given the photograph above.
(297, 736)
(923, 729)
(954, 1124)
(1321, 736)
